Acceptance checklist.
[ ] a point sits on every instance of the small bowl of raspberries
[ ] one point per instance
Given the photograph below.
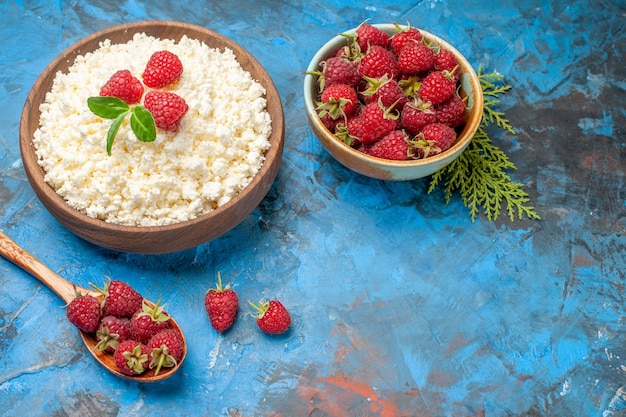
(392, 102)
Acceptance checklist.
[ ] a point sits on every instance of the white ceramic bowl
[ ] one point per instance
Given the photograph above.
(387, 169)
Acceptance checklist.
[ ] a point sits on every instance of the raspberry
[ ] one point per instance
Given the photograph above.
(386, 90)
(417, 114)
(132, 357)
(166, 348)
(415, 57)
(404, 37)
(374, 123)
(124, 86)
(377, 62)
(434, 139)
(451, 112)
(167, 109)
(221, 304)
(437, 87)
(121, 300)
(368, 35)
(272, 317)
(394, 146)
(163, 68)
(111, 332)
(338, 100)
(446, 61)
(337, 70)
(84, 313)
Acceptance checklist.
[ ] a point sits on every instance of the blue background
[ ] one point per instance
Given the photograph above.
(402, 306)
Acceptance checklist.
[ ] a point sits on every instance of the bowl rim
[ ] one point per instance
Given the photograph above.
(331, 45)
(26, 145)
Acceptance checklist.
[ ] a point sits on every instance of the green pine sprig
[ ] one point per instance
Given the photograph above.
(479, 173)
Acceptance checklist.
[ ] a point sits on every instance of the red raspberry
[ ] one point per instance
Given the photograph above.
(415, 57)
(167, 109)
(387, 91)
(435, 138)
(132, 357)
(394, 146)
(404, 37)
(84, 313)
(446, 61)
(437, 87)
(111, 332)
(337, 70)
(272, 317)
(368, 35)
(417, 114)
(374, 123)
(221, 304)
(121, 300)
(148, 321)
(167, 349)
(124, 86)
(339, 101)
(163, 68)
(377, 62)
(451, 112)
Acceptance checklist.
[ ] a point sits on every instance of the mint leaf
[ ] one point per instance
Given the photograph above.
(142, 124)
(115, 126)
(107, 107)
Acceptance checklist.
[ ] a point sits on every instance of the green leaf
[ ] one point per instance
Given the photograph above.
(115, 126)
(479, 173)
(142, 124)
(107, 107)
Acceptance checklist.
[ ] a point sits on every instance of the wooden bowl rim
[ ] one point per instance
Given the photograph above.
(274, 107)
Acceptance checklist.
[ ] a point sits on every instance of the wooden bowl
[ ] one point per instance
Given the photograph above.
(152, 239)
(386, 169)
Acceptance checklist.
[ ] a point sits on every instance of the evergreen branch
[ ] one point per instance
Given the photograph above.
(479, 173)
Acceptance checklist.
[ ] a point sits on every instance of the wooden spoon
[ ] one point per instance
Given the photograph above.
(67, 291)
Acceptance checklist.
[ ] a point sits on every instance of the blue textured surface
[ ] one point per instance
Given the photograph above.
(401, 305)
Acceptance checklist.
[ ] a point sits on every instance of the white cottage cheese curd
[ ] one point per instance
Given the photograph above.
(217, 151)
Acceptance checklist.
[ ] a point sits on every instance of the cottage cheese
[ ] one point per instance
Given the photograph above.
(217, 151)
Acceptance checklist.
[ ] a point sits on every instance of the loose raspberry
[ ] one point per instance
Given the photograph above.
(163, 68)
(124, 86)
(221, 304)
(167, 109)
(272, 317)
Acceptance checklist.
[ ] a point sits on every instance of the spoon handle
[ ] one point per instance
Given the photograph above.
(14, 253)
